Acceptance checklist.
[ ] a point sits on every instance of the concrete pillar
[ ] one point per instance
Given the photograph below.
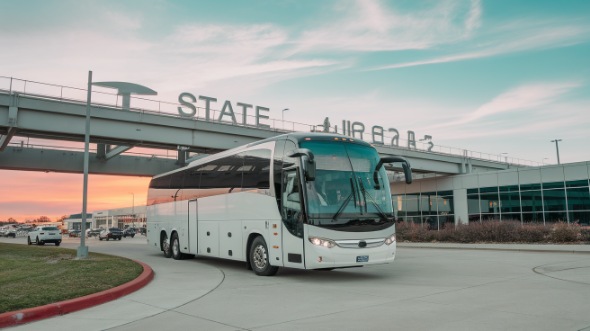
(460, 205)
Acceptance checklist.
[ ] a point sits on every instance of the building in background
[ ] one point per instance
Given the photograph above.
(542, 195)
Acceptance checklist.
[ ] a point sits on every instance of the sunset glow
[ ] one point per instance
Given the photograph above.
(27, 195)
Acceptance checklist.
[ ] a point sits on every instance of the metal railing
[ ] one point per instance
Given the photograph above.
(143, 105)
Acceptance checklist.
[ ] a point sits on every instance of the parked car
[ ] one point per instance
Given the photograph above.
(44, 234)
(94, 232)
(8, 231)
(111, 233)
(74, 233)
(129, 232)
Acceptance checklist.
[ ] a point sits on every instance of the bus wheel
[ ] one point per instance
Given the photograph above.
(176, 254)
(259, 258)
(166, 247)
(29, 240)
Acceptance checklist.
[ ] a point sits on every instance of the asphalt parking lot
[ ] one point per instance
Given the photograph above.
(424, 289)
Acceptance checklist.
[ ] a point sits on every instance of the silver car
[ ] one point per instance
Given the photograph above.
(44, 234)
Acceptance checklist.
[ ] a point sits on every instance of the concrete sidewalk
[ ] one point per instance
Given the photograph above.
(557, 248)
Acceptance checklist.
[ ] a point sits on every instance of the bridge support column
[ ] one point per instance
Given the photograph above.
(182, 153)
(12, 121)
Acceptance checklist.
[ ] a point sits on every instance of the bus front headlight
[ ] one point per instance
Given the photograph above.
(390, 240)
(322, 242)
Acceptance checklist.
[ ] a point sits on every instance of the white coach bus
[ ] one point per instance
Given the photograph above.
(300, 200)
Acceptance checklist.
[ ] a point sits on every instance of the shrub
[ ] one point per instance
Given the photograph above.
(563, 232)
(494, 231)
(533, 233)
(407, 231)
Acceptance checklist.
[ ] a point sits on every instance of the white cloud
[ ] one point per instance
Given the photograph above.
(511, 38)
(369, 25)
(531, 97)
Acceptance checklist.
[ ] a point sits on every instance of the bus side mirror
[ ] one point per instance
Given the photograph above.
(391, 159)
(308, 162)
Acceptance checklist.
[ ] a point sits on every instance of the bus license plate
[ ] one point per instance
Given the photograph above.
(362, 258)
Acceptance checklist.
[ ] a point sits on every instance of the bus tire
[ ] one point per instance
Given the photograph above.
(166, 246)
(175, 247)
(259, 258)
(29, 240)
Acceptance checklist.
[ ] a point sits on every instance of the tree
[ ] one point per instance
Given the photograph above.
(43, 219)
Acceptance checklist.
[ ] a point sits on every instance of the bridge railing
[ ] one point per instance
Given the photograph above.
(144, 105)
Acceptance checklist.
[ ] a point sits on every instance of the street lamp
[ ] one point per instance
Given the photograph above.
(283, 117)
(125, 90)
(556, 141)
(505, 157)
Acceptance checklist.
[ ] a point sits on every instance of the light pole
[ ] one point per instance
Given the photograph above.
(125, 90)
(556, 141)
(283, 117)
(505, 157)
(133, 209)
(82, 252)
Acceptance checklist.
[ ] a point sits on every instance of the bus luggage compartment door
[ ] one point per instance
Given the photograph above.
(192, 227)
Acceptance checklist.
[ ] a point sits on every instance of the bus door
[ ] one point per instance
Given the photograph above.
(192, 226)
(292, 214)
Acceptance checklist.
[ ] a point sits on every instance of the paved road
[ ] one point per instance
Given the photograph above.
(424, 289)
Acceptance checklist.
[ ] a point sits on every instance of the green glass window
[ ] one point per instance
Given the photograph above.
(554, 217)
(489, 203)
(510, 202)
(445, 193)
(536, 218)
(445, 205)
(511, 188)
(553, 185)
(554, 200)
(488, 189)
(577, 183)
(580, 217)
(578, 198)
(531, 201)
(472, 191)
(473, 204)
(530, 187)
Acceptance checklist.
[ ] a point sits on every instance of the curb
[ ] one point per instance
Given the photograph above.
(23, 316)
(504, 249)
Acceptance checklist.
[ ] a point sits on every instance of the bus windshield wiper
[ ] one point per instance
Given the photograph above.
(366, 194)
(346, 201)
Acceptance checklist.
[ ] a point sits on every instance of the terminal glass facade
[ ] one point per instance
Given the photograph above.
(533, 203)
(538, 195)
(432, 209)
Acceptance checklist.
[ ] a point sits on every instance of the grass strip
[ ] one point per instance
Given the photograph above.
(32, 276)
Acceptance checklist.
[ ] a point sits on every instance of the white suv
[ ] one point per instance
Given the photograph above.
(44, 234)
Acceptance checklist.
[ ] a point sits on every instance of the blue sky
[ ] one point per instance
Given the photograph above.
(500, 76)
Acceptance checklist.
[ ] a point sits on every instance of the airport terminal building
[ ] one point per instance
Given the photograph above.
(542, 195)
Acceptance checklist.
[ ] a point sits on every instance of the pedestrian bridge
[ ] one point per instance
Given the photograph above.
(42, 128)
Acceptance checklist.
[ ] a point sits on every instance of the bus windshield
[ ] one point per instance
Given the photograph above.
(344, 195)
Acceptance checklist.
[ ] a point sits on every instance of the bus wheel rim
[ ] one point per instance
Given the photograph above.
(260, 257)
(175, 248)
(166, 245)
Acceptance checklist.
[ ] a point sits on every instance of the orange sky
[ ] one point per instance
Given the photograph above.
(30, 194)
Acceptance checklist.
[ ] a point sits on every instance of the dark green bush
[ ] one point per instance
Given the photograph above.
(495, 232)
